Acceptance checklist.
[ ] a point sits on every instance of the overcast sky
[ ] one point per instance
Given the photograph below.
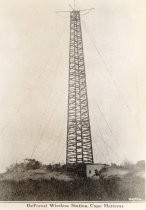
(34, 49)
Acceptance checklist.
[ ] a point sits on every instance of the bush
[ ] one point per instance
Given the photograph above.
(32, 164)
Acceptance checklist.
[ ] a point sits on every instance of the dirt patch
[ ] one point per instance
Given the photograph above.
(115, 172)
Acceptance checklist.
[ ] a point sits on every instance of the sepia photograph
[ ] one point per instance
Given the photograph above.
(72, 103)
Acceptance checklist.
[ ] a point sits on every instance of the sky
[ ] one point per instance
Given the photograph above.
(34, 59)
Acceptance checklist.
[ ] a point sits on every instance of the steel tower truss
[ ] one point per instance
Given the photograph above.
(79, 144)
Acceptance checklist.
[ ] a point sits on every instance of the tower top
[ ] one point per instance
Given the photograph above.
(73, 8)
(80, 10)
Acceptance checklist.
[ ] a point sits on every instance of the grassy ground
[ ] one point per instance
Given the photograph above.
(81, 189)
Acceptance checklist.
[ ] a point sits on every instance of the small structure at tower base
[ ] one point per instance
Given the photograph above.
(87, 170)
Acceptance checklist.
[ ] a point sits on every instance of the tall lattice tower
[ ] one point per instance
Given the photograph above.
(79, 143)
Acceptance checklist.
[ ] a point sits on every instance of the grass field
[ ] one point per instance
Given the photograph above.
(80, 189)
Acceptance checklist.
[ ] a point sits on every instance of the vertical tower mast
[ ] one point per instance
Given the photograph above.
(79, 143)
